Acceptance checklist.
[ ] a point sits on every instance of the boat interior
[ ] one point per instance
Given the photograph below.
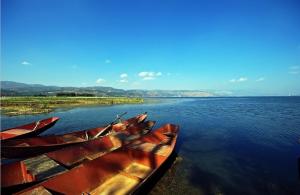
(118, 172)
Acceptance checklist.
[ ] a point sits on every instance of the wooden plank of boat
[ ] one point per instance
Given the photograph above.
(28, 130)
(122, 171)
(52, 163)
(24, 148)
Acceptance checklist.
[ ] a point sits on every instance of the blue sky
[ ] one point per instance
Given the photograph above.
(230, 47)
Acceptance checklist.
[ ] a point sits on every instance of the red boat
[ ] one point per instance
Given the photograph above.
(24, 148)
(122, 171)
(29, 130)
(16, 175)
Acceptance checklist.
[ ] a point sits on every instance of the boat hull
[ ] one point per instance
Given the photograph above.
(29, 130)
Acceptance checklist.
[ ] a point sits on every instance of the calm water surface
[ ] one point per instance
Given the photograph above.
(228, 145)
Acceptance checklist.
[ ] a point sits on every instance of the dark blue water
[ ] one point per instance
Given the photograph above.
(228, 145)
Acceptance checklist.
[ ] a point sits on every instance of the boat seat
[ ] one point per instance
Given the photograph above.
(40, 190)
(125, 181)
(96, 155)
(71, 156)
(160, 149)
(43, 167)
(72, 138)
(138, 170)
(119, 184)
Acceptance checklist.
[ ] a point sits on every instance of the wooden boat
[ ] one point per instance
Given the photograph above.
(28, 130)
(122, 171)
(32, 170)
(24, 148)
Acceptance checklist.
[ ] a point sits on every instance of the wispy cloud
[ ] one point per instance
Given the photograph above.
(100, 80)
(242, 79)
(149, 75)
(294, 70)
(26, 63)
(158, 74)
(124, 75)
(224, 92)
(238, 80)
(123, 81)
(123, 78)
(107, 61)
(135, 84)
(148, 78)
(260, 79)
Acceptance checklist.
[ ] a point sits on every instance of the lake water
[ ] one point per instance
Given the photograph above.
(228, 145)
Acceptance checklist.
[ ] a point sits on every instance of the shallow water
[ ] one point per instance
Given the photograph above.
(227, 145)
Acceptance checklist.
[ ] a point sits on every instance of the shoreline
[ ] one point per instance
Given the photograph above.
(26, 105)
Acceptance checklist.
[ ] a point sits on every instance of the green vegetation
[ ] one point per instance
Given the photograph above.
(36, 105)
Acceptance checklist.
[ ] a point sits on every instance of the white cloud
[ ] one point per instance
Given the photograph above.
(149, 75)
(241, 79)
(100, 80)
(124, 75)
(294, 67)
(107, 61)
(294, 70)
(158, 74)
(26, 63)
(260, 79)
(148, 78)
(146, 74)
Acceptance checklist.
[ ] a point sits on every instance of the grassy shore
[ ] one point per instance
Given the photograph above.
(37, 105)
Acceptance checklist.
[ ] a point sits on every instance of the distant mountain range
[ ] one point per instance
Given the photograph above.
(10, 88)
